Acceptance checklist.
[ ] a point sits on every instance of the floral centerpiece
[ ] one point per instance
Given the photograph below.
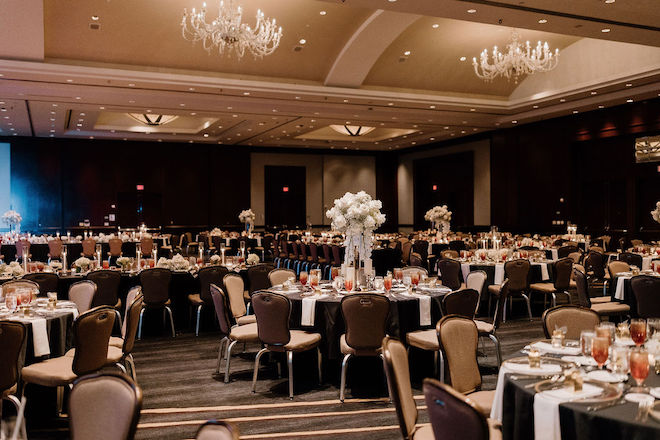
(215, 259)
(439, 216)
(216, 232)
(178, 263)
(357, 216)
(13, 219)
(253, 259)
(12, 269)
(124, 262)
(82, 264)
(248, 217)
(656, 212)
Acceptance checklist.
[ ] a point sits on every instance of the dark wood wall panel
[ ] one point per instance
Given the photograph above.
(386, 189)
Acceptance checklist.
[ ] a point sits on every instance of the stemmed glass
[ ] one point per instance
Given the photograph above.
(334, 271)
(398, 274)
(387, 282)
(379, 283)
(639, 367)
(303, 278)
(606, 329)
(586, 339)
(599, 350)
(11, 301)
(638, 331)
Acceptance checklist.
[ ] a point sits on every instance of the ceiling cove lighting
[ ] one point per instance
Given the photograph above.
(151, 119)
(228, 33)
(352, 130)
(518, 60)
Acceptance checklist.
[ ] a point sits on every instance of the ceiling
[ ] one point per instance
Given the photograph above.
(401, 66)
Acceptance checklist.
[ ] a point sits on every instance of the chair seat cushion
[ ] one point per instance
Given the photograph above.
(495, 429)
(51, 372)
(116, 342)
(572, 284)
(610, 308)
(347, 349)
(246, 319)
(494, 289)
(483, 326)
(195, 299)
(543, 287)
(484, 399)
(600, 299)
(424, 339)
(245, 333)
(300, 341)
(424, 432)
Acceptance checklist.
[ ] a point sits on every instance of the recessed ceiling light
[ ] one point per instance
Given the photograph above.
(131, 85)
(54, 105)
(543, 21)
(462, 58)
(594, 92)
(601, 106)
(406, 53)
(1, 74)
(609, 1)
(193, 114)
(629, 85)
(182, 105)
(246, 93)
(391, 1)
(69, 80)
(192, 89)
(629, 100)
(206, 135)
(606, 30)
(514, 122)
(302, 41)
(431, 106)
(562, 100)
(322, 13)
(101, 108)
(473, 109)
(95, 17)
(535, 106)
(131, 101)
(471, 11)
(575, 112)
(435, 25)
(390, 103)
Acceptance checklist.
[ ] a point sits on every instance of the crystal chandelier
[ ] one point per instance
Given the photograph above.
(228, 33)
(518, 60)
(352, 130)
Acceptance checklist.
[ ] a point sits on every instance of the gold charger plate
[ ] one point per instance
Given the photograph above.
(610, 392)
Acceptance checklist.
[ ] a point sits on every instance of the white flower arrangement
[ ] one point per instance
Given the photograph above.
(438, 214)
(12, 269)
(82, 263)
(215, 259)
(357, 216)
(247, 216)
(253, 259)
(12, 217)
(178, 263)
(124, 262)
(216, 232)
(656, 212)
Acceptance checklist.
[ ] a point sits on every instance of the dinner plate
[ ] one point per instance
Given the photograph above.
(606, 376)
(655, 392)
(637, 397)
(580, 360)
(610, 392)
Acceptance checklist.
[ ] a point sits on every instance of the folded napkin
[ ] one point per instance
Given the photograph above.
(544, 271)
(424, 310)
(545, 347)
(259, 241)
(619, 293)
(646, 262)
(39, 337)
(499, 273)
(555, 254)
(546, 409)
(309, 310)
(227, 241)
(543, 370)
(465, 268)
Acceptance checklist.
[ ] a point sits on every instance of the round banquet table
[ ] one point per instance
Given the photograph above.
(404, 317)
(535, 272)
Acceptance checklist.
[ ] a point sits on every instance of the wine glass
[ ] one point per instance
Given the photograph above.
(313, 280)
(303, 278)
(620, 360)
(599, 349)
(638, 331)
(11, 301)
(586, 338)
(606, 329)
(334, 271)
(348, 284)
(639, 367)
(407, 281)
(414, 278)
(379, 283)
(398, 274)
(387, 283)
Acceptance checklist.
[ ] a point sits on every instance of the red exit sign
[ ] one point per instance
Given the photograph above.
(139, 187)
(285, 189)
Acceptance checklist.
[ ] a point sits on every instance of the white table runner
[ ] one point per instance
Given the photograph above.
(546, 409)
(619, 292)
(545, 276)
(308, 314)
(499, 274)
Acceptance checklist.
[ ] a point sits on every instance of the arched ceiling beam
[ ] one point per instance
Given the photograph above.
(365, 47)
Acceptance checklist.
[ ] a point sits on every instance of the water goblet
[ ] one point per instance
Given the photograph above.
(606, 329)
(387, 283)
(599, 350)
(379, 283)
(638, 331)
(11, 301)
(639, 367)
(303, 278)
(586, 338)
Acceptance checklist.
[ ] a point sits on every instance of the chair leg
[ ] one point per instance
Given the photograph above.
(118, 320)
(227, 361)
(441, 360)
(131, 363)
(139, 335)
(289, 363)
(498, 349)
(199, 318)
(17, 404)
(60, 401)
(220, 353)
(256, 369)
(529, 306)
(387, 382)
(342, 386)
(169, 312)
(121, 367)
(504, 310)
(319, 360)
(554, 299)
(568, 295)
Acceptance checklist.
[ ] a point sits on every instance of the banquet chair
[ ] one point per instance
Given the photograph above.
(279, 276)
(88, 248)
(406, 250)
(573, 317)
(91, 334)
(104, 406)
(258, 277)
(235, 288)
(596, 249)
(326, 254)
(476, 280)
(517, 272)
(217, 430)
(395, 361)
(416, 260)
(55, 248)
(458, 338)
(647, 294)
(207, 275)
(632, 259)
(565, 251)
(12, 340)
(456, 416)
(12, 285)
(135, 301)
(561, 281)
(273, 312)
(23, 250)
(314, 257)
(155, 284)
(613, 268)
(594, 266)
(47, 281)
(489, 330)
(457, 245)
(107, 290)
(82, 294)
(576, 257)
(449, 254)
(146, 247)
(460, 302)
(230, 335)
(365, 316)
(450, 273)
(115, 245)
(408, 270)
(611, 308)
(336, 255)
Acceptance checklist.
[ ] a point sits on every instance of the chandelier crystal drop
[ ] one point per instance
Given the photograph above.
(229, 34)
(520, 59)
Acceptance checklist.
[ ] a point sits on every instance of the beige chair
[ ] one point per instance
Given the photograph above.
(55, 248)
(455, 416)
(273, 311)
(91, 334)
(82, 294)
(104, 406)
(488, 329)
(279, 276)
(217, 430)
(574, 318)
(562, 270)
(365, 316)
(449, 254)
(12, 340)
(230, 335)
(395, 360)
(236, 294)
(615, 267)
(13, 285)
(458, 337)
(409, 270)
(476, 280)
(89, 248)
(120, 350)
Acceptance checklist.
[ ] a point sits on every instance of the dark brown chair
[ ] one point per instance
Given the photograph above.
(365, 316)
(395, 360)
(456, 416)
(91, 334)
(416, 260)
(574, 318)
(230, 335)
(258, 277)
(217, 430)
(115, 396)
(23, 249)
(594, 264)
(146, 246)
(458, 338)
(517, 272)
(47, 281)
(611, 308)
(55, 248)
(449, 254)
(89, 247)
(565, 251)
(632, 259)
(647, 294)
(450, 273)
(406, 251)
(462, 302)
(207, 275)
(12, 340)
(561, 282)
(107, 290)
(115, 245)
(156, 290)
(273, 312)
(336, 255)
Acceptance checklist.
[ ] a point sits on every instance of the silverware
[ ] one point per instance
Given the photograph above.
(552, 379)
(600, 406)
(529, 376)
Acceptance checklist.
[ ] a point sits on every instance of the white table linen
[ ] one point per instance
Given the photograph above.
(546, 409)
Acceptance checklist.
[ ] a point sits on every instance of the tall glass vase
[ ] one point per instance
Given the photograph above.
(356, 268)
